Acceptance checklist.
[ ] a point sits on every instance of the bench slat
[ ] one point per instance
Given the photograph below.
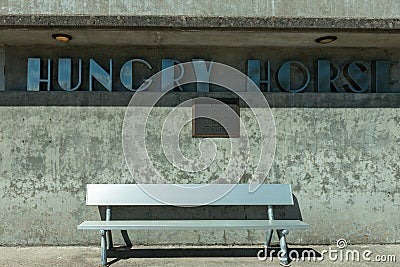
(132, 194)
(194, 225)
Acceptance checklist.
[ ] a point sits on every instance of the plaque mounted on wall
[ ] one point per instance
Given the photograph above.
(219, 117)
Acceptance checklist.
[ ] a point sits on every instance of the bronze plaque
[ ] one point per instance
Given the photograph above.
(209, 115)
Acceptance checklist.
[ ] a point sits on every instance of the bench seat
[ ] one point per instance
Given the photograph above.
(195, 225)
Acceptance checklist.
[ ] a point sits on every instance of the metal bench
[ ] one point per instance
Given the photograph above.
(268, 195)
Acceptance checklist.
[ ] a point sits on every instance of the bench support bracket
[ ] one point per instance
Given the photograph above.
(108, 232)
(270, 213)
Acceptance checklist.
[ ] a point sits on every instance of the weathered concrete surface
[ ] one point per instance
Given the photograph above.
(190, 256)
(197, 22)
(343, 165)
(261, 8)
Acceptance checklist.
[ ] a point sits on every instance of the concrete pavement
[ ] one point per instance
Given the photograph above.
(357, 255)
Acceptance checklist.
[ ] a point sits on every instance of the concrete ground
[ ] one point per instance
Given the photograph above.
(369, 255)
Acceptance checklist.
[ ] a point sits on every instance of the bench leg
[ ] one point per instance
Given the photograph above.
(284, 251)
(109, 240)
(103, 248)
(268, 238)
(125, 236)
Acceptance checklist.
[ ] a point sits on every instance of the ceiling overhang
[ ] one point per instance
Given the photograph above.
(23, 30)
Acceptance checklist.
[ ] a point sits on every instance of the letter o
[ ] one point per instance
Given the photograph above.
(284, 76)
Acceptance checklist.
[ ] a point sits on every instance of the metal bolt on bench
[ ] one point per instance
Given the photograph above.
(269, 195)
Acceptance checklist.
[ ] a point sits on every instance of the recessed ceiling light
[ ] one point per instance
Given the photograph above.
(326, 39)
(61, 37)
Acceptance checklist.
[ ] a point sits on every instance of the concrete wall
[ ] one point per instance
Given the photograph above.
(261, 8)
(341, 160)
(343, 165)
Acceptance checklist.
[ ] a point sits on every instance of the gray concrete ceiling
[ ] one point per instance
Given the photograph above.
(228, 38)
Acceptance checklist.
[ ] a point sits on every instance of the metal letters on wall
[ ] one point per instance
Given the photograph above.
(126, 74)
(354, 77)
(65, 74)
(2, 64)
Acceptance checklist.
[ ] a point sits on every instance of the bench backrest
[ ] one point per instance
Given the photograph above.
(132, 194)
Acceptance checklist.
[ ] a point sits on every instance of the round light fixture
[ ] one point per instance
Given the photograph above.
(61, 37)
(326, 39)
